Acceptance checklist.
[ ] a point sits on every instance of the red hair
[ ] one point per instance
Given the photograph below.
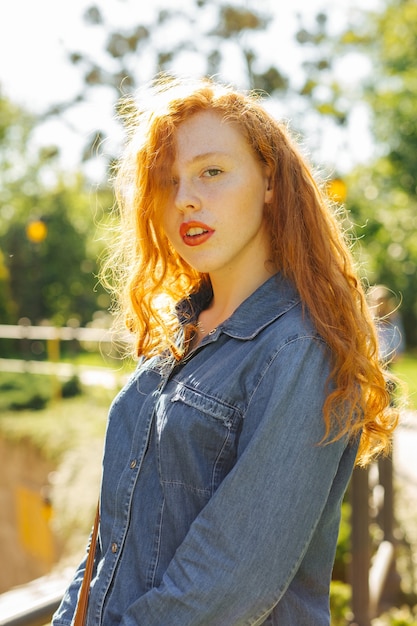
(307, 243)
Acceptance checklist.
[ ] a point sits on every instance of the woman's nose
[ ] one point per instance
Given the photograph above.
(186, 197)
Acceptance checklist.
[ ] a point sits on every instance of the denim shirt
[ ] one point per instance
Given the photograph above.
(219, 505)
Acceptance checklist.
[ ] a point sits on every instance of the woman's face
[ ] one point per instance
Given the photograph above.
(214, 218)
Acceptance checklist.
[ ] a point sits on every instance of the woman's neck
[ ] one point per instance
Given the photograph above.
(228, 295)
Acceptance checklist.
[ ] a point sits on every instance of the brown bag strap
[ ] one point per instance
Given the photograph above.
(81, 610)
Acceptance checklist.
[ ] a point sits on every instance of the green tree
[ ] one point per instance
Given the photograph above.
(235, 42)
(14, 131)
(203, 34)
(54, 278)
(7, 306)
(47, 231)
(204, 37)
(383, 196)
(381, 193)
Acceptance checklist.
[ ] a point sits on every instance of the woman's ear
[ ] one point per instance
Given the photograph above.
(268, 188)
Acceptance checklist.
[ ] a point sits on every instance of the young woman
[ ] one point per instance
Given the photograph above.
(258, 385)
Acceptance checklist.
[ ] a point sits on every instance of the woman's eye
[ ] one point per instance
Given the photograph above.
(212, 171)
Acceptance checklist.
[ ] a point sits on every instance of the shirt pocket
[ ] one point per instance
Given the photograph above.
(197, 438)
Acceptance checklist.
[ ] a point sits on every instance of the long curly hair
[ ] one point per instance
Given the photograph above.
(308, 246)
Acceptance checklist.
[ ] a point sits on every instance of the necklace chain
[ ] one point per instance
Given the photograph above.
(203, 330)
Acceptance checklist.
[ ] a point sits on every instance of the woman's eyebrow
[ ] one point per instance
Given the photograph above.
(204, 156)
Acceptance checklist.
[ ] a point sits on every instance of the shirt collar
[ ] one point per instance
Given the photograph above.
(271, 300)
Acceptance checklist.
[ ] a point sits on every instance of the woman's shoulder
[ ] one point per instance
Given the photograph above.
(275, 311)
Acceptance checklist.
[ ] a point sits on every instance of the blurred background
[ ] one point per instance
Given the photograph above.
(345, 77)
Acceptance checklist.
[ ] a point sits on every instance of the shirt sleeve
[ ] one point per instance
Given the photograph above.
(246, 545)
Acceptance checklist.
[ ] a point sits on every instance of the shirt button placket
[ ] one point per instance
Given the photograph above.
(114, 547)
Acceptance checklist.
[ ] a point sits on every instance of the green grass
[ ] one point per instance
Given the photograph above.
(24, 391)
(62, 425)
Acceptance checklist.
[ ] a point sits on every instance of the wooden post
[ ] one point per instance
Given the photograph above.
(387, 521)
(360, 547)
(53, 350)
(387, 513)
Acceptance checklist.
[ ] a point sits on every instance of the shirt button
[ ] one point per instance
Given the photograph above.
(133, 464)
(213, 330)
(114, 547)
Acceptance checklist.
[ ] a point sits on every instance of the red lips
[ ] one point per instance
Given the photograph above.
(195, 233)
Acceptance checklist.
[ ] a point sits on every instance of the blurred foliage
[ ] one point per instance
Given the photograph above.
(170, 35)
(342, 557)
(202, 36)
(49, 242)
(7, 305)
(209, 39)
(26, 391)
(54, 278)
(403, 616)
(406, 370)
(340, 601)
(53, 429)
(386, 221)
(382, 196)
(33, 391)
